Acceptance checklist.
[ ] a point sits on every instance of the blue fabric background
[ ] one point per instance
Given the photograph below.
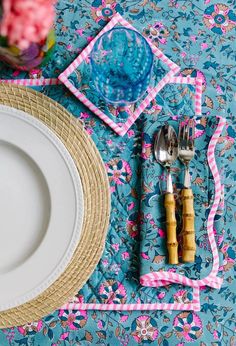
(200, 37)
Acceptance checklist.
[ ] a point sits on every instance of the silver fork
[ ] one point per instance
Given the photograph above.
(186, 152)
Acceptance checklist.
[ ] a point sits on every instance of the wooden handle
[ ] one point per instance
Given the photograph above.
(172, 245)
(188, 232)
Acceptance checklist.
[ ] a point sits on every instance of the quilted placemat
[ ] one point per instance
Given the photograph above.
(181, 95)
(77, 77)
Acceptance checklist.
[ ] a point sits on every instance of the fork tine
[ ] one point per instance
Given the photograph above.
(181, 127)
(187, 132)
(193, 130)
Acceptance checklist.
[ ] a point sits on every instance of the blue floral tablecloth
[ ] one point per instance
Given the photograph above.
(199, 36)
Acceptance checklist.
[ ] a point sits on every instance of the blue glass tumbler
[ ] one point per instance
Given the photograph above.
(121, 61)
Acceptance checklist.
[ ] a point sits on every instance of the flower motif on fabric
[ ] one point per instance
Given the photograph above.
(103, 10)
(30, 328)
(132, 225)
(112, 291)
(219, 18)
(157, 33)
(183, 296)
(119, 171)
(188, 325)
(73, 319)
(144, 329)
(146, 146)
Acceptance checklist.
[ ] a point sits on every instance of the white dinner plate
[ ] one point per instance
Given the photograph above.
(41, 207)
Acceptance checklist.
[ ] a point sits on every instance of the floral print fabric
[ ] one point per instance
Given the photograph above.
(182, 30)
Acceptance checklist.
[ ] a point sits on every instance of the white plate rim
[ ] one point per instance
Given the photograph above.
(13, 112)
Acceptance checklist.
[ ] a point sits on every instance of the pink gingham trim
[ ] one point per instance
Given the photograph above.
(194, 305)
(198, 82)
(120, 129)
(32, 82)
(157, 279)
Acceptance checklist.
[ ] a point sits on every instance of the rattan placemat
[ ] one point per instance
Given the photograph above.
(96, 202)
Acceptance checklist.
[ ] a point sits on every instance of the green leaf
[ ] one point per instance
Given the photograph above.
(50, 334)
(63, 318)
(119, 164)
(192, 336)
(190, 318)
(195, 328)
(179, 329)
(114, 287)
(164, 329)
(103, 296)
(181, 320)
(48, 318)
(79, 318)
(165, 342)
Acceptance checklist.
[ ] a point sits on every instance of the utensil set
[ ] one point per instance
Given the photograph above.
(167, 148)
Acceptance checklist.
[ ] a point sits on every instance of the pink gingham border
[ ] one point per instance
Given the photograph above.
(194, 305)
(198, 82)
(120, 129)
(33, 81)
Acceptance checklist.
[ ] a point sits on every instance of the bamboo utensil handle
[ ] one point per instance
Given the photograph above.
(172, 244)
(188, 232)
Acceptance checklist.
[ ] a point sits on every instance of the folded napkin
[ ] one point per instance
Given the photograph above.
(206, 169)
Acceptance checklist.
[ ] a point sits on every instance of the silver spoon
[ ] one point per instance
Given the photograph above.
(166, 152)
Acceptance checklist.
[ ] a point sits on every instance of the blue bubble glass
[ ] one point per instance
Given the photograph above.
(121, 61)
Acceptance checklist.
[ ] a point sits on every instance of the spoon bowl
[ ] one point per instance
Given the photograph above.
(166, 146)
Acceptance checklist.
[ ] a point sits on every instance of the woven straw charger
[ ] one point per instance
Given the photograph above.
(96, 202)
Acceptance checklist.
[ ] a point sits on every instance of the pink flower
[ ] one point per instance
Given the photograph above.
(16, 73)
(116, 246)
(80, 31)
(188, 325)
(161, 295)
(73, 319)
(89, 131)
(148, 216)
(145, 330)
(161, 233)
(145, 256)
(90, 38)
(119, 171)
(204, 46)
(105, 262)
(172, 270)
(21, 33)
(152, 222)
(130, 133)
(219, 90)
(125, 255)
(84, 115)
(109, 142)
(112, 189)
(124, 318)
(193, 38)
(131, 206)
(99, 324)
(183, 54)
(69, 47)
(64, 336)
(30, 328)
(215, 335)
(112, 291)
